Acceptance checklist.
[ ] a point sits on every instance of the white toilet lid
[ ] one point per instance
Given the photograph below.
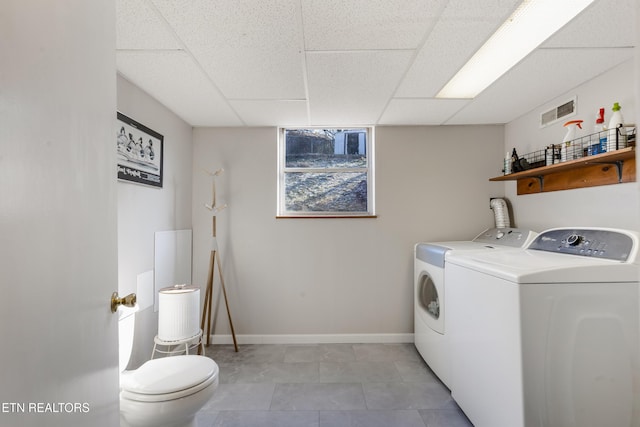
(169, 375)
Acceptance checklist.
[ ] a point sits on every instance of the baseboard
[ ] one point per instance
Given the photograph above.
(314, 339)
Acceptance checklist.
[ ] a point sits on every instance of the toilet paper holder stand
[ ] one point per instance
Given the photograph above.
(178, 346)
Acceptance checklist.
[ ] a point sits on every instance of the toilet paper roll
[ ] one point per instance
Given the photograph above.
(178, 308)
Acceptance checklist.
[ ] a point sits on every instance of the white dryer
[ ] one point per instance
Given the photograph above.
(547, 336)
(429, 283)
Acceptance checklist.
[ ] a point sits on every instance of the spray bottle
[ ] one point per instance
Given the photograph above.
(598, 143)
(571, 149)
(617, 135)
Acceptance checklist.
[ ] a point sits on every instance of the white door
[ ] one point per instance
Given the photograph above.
(58, 249)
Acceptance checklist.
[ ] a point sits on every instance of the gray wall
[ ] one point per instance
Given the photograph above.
(297, 279)
(318, 279)
(143, 210)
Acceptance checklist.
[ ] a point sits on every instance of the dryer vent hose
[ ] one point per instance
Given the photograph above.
(501, 213)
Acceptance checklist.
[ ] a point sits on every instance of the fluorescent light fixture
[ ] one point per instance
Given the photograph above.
(532, 23)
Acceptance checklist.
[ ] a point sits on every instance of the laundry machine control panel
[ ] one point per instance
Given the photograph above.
(599, 243)
(513, 237)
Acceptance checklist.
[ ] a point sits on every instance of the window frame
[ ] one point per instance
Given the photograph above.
(283, 170)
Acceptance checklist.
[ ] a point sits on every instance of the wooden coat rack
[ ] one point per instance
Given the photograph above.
(214, 259)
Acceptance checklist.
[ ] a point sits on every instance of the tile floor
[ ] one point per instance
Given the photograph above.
(327, 385)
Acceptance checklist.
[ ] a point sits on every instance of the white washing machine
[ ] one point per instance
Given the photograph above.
(547, 336)
(429, 281)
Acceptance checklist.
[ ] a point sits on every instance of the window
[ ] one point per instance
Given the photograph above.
(325, 172)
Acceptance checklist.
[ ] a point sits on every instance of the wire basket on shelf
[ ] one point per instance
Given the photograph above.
(584, 146)
(534, 159)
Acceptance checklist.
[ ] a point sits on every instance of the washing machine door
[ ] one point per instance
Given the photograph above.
(429, 299)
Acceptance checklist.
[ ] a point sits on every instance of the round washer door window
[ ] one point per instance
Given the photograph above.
(428, 296)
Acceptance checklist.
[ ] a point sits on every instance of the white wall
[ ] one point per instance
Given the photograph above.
(143, 210)
(605, 206)
(337, 276)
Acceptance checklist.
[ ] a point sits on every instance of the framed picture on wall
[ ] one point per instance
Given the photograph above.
(139, 152)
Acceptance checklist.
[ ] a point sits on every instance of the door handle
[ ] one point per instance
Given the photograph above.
(128, 301)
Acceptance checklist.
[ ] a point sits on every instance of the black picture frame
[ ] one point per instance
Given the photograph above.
(140, 152)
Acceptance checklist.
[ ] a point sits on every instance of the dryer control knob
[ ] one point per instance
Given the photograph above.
(574, 240)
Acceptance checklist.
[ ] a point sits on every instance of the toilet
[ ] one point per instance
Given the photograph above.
(165, 392)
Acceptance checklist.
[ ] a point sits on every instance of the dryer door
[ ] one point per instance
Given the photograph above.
(429, 298)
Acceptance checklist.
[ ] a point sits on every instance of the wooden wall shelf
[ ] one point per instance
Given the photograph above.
(601, 169)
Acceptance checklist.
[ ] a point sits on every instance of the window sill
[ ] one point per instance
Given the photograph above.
(324, 216)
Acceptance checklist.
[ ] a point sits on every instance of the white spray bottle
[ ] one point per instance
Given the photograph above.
(571, 149)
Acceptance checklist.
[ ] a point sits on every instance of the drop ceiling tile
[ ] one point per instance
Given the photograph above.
(543, 75)
(368, 24)
(464, 27)
(272, 113)
(138, 26)
(252, 50)
(352, 87)
(606, 23)
(179, 84)
(415, 111)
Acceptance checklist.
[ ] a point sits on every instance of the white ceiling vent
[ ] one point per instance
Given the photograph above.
(558, 113)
